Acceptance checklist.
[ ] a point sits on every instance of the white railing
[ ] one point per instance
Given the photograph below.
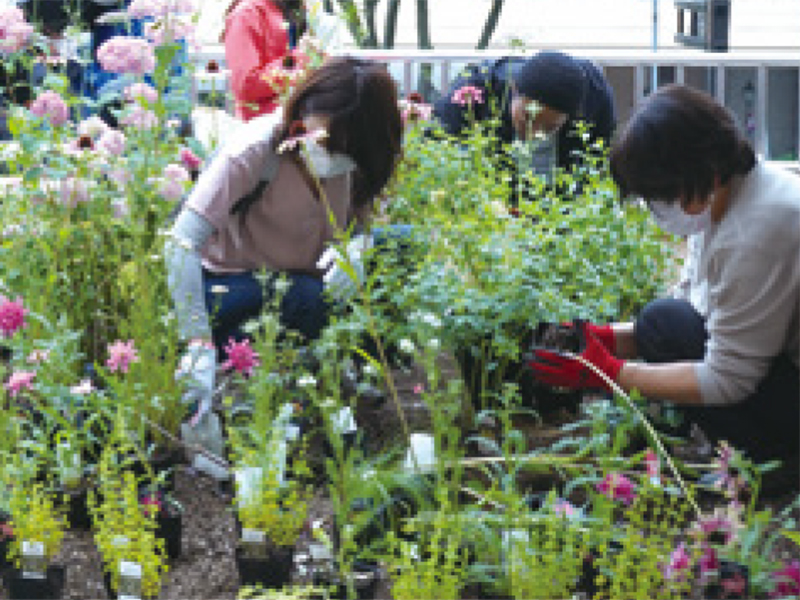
(629, 72)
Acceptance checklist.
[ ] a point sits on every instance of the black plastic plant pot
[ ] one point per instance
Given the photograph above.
(77, 510)
(271, 571)
(6, 536)
(733, 582)
(169, 527)
(27, 588)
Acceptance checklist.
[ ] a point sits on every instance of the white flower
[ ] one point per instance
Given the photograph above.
(306, 381)
(406, 346)
(84, 388)
(433, 344)
(431, 319)
(369, 370)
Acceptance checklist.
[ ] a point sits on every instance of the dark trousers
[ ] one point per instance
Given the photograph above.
(765, 425)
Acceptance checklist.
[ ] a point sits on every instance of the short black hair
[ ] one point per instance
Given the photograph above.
(677, 144)
(554, 79)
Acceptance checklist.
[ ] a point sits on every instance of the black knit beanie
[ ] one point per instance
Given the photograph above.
(553, 79)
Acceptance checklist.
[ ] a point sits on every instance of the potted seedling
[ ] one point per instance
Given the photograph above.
(38, 528)
(133, 556)
(271, 514)
(69, 472)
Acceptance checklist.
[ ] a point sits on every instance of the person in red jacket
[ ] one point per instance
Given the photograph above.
(258, 35)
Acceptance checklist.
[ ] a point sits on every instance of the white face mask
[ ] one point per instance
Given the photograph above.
(323, 164)
(672, 218)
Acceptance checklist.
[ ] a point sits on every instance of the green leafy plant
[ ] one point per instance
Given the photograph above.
(35, 518)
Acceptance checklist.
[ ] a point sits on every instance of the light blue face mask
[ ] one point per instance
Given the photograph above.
(672, 218)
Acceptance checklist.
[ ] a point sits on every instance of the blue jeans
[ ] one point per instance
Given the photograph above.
(765, 424)
(304, 307)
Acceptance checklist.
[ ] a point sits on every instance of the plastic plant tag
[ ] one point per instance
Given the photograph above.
(421, 454)
(253, 536)
(291, 431)
(34, 563)
(69, 464)
(343, 421)
(319, 552)
(248, 481)
(130, 581)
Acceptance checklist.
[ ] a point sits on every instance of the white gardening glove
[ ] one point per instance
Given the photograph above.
(343, 274)
(197, 372)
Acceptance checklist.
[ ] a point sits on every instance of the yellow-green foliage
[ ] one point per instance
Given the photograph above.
(547, 561)
(279, 510)
(647, 537)
(125, 530)
(35, 518)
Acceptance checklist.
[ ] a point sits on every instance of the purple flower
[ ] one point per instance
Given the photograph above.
(14, 31)
(468, 95)
(73, 191)
(787, 581)
(139, 118)
(122, 54)
(617, 487)
(112, 142)
(12, 316)
(121, 355)
(679, 563)
(563, 508)
(241, 357)
(51, 106)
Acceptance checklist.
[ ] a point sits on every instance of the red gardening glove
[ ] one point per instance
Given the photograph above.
(558, 370)
(604, 334)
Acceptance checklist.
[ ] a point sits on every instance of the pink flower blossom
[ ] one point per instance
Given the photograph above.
(617, 487)
(679, 563)
(38, 356)
(284, 76)
(734, 585)
(122, 54)
(73, 190)
(141, 91)
(84, 388)
(716, 525)
(175, 172)
(14, 31)
(241, 357)
(190, 160)
(121, 355)
(419, 388)
(652, 464)
(51, 106)
(112, 142)
(171, 189)
(120, 176)
(120, 208)
(94, 127)
(709, 562)
(18, 381)
(563, 508)
(468, 95)
(787, 581)
(12, 316)
(139, 118)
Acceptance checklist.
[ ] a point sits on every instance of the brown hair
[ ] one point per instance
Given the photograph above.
(360, 99)
(676, 145)
(293, 11)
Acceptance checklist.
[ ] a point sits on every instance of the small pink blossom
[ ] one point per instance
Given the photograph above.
(679, 563)
(73, 190)
(190, 160)
(12, 316)
(419, 388)
(564, 508)
(468, 95)
(170, 189)
(51, 106)
(38, 356)
(84, 388)
(709, 562)
(14, 31)
(241, 357)
(121, 355)
(19, 381)
(112, 142)
(617, 487)
(652, 464)
(787, 581)
(175, 172)
(140, 118)
(132, 55)
(141, 91)
(734, 586)
(715, 525)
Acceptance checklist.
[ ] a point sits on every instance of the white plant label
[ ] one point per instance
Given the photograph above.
(34, 565)
(130, 581)
(248, 482)
(253, 536)
(343, 421)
